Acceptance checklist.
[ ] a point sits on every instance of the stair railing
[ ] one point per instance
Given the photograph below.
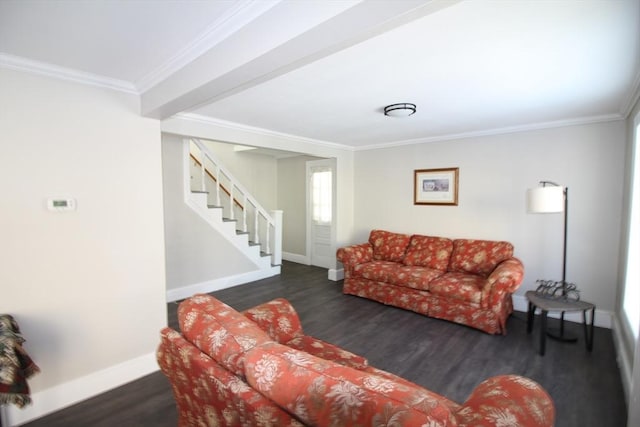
(231, 196)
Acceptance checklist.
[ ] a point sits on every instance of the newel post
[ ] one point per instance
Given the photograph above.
(276, 257)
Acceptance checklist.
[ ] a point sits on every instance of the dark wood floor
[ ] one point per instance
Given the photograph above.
(444, 357)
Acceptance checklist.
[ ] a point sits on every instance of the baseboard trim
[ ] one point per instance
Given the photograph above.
(602, 320)
(297, 258)
(61, 396)
(336, 274)
(219, 284)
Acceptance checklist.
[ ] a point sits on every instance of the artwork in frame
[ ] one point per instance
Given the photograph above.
(435, 187)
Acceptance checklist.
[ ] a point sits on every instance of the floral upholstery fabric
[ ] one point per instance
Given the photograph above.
(279, 319)
(219, 331)
(285, 386)
(466, 287)
(478, 256)
(320, 392)
(388, 246)
(472, 287)
(427, 251)
(207, 394)
(529, 404)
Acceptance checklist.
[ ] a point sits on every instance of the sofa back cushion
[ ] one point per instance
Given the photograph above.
(320, 392)
(388, 246)
(219, 331)
(428, 251)
(478, 256)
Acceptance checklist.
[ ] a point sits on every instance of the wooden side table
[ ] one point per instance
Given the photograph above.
(554, 305)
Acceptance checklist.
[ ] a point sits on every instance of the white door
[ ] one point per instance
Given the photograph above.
(320, 211)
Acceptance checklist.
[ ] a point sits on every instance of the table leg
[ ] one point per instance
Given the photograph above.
(543, 331)
(588, 332)
(530, 317)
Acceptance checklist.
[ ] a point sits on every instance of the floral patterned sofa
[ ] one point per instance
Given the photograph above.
(228, 370)
(464, 281)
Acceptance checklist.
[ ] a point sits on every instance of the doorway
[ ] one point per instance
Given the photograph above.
(320, 211)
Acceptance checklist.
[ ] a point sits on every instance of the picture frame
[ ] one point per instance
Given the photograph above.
(435, 186)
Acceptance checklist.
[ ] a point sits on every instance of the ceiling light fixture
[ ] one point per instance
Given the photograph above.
(403, 109)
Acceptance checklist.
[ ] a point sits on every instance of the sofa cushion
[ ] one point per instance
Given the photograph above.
(219, 331)
(320, 392)
(478, 256)
(388, 246)
(428, 251)
(379, 271)
(413, 277)
(460, 286)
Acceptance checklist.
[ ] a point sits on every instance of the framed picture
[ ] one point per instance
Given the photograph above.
(435, 187)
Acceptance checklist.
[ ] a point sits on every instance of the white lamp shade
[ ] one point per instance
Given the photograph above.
(545, 199)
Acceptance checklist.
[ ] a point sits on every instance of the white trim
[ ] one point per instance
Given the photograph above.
(297, 258)
(242, 13)
(219, 284)
(66, 394)
(498, 131)
(602, 320)
(44, 69)
(198, 118)
(336, 274)
(623, 357)
(632, 97)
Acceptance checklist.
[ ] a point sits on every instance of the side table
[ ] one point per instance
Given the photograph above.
(554, 305)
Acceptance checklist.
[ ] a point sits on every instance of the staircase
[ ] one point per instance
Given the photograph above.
(225, 204)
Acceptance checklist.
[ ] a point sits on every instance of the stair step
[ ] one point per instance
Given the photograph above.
(254, 244)
(199, 192)
(229, 220)
(214, 207)
(241, 232)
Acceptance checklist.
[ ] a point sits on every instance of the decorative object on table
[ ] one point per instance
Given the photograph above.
(551, 289)
(435, 186)
(15, 364)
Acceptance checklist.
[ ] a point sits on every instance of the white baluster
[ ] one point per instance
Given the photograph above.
(267, 244)
(244, 214)
(218, 185)
(203, 186)
(232, 214)
(256, 238)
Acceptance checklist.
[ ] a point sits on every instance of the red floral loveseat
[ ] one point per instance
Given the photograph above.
(464, 281)
(227, 370)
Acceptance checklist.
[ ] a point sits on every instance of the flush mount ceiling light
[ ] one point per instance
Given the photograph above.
(403, 109)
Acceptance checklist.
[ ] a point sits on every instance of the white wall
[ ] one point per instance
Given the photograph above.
(495, 172)
(196, 255)
(87, 287)
(256, 172)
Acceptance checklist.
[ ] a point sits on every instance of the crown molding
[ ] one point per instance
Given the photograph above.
(44, 69)
(237, 17)
(197, 118)
(632, 97)
(498, 131)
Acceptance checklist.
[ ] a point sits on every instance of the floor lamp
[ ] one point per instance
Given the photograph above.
(553, 198)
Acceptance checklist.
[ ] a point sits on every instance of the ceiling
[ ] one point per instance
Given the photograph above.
(323, 70)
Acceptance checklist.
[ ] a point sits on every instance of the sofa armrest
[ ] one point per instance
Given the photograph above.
(504, 279)
(508, 400)
(350, 256)
(277, 318)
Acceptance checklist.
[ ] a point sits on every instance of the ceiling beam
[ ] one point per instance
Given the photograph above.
(286, 37)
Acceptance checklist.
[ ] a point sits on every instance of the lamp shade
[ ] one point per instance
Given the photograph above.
(545, 199)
